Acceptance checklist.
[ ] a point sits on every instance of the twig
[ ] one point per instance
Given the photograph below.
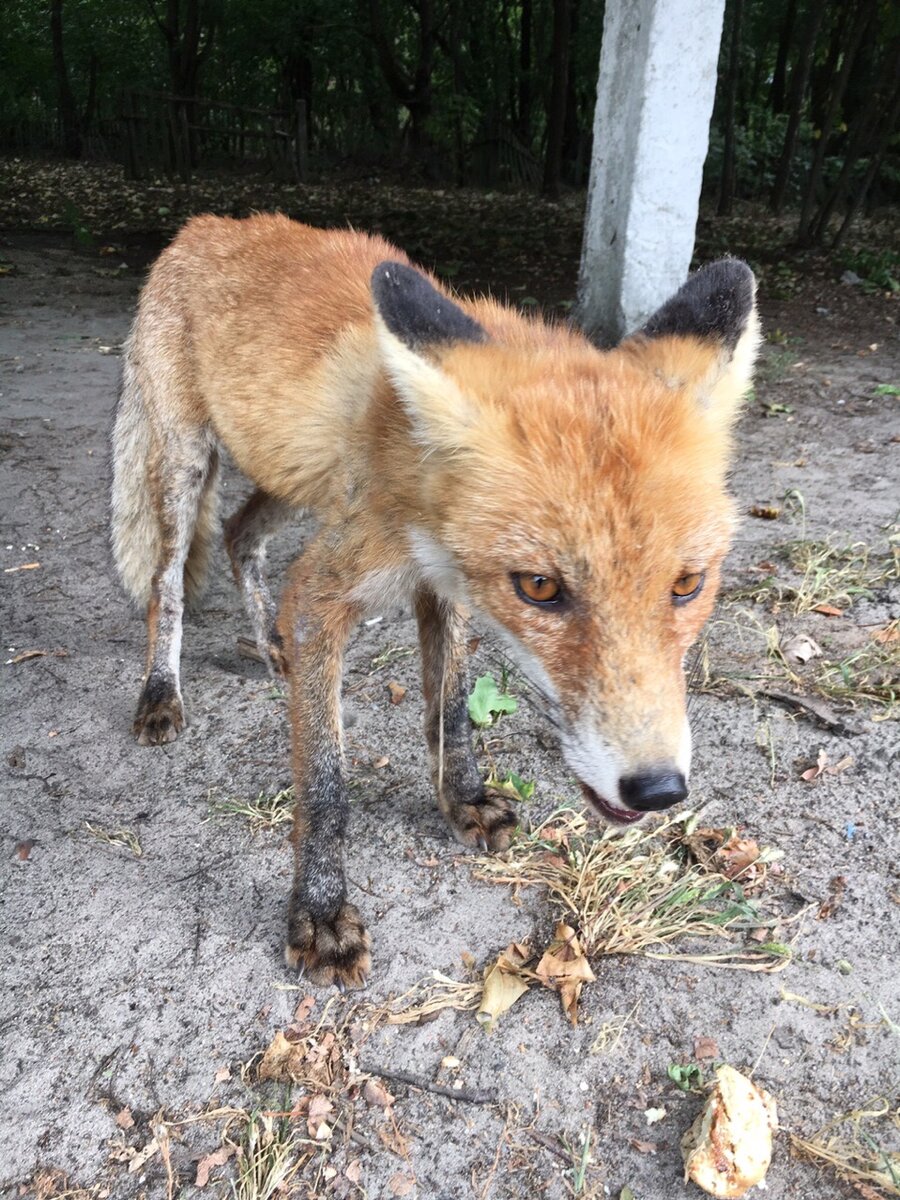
(438, 1088)
(549, 1144)
(810, 707)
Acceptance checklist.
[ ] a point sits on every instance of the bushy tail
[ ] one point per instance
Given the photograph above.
(135, 524)
(138, 487)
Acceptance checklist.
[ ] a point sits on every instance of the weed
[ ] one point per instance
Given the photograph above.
(487, 702)
(822, 573)
(268, 1158)
(871, 673)
(849, 1145)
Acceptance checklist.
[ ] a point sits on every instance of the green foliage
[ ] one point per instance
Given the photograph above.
(687, 1077)
(487, 703)
(878, 269)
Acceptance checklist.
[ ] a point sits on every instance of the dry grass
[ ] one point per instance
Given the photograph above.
(265, 812)
(638, 891)
(870, 674)
(429, 996)
(122, 838)
(269, 1154)
(853, 1145)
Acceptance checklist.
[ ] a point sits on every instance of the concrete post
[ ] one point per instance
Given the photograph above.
(655, 94)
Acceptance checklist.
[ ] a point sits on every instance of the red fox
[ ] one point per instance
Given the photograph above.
(456, 453)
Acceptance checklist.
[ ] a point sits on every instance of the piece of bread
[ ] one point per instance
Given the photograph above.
(729, 1147)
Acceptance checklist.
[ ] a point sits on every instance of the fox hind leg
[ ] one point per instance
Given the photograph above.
(246, 534)
(476, 818)
(185, 473)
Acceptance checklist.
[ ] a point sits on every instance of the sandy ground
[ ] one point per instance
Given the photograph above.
(129, 982)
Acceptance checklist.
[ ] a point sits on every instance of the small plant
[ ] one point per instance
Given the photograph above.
(267, 1158)
(887, 389)
(123, 838)
(487, 703)
(687, 1077)
(513, 785)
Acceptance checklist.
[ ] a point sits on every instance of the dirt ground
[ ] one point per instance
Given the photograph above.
(132, 980)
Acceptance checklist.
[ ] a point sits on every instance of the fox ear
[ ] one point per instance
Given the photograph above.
(413, 321)
(706, 336)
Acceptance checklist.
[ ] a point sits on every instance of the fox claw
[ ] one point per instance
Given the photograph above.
(329, 950)
(485, 824)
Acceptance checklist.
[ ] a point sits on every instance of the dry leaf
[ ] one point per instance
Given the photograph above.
(401, 1184)
(381, 762)
(766, 512)
(503, 984)
(354, 1171)
(222, 1075)
(320, 1107)
(814, 772)
(565, 969)
(828, 609)
(283, 1060)
(375, 1094)
(828, 907)
(890, 633)
(24, 848)
(124, 1119)
(303, 1010)
(707, 1047)
(644, 1147)
(397, 691)
(801, 648)
(143, 1156)
(218, 1158)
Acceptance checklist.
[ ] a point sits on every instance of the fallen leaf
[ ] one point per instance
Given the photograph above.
(303, 1010)
(354, 1171)
(23, 849)
(890, 633)
(397, 691)
(25, 656)
(766, 512)
(124, 1119)
(320, 1107)
(222, 1075)
(401, 1184)
(143, 1156)
(218, 1158)
(829, 906)
(644, 1147)
(828, 609)
(375, 1094)
(564, 968)
(503, 984)
(283, 1060)
(381, 762)
(707, 1047)
(801, 648)
(812, 773)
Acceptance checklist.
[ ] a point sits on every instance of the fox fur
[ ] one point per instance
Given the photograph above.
(450, 449)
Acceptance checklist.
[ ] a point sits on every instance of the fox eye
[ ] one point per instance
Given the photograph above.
(687, 587)
(538, 589)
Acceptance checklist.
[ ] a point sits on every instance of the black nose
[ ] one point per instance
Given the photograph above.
(650, 791)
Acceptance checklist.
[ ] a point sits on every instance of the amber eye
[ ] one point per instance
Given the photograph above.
(687, 587)
(538, 589)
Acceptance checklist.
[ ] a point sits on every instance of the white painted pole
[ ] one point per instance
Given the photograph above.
(655, 93)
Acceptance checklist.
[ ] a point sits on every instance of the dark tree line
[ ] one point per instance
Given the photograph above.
(466, 91)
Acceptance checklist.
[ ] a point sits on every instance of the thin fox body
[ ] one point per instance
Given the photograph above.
(457, 454)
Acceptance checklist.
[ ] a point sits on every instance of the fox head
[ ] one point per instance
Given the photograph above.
(577, 499)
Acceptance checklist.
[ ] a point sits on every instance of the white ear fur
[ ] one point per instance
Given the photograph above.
(729, 386)
(440, 413)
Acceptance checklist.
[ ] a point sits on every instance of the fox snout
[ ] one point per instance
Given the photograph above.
(652, 791)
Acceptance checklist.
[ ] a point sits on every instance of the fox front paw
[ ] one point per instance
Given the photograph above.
(329, 950)
(486, 823)
(158, 721)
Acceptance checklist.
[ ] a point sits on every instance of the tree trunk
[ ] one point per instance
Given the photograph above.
(886, 135)
(799, 81)
(726, 193)
(90, 104)
(861, 131)
(67, 110)
(779, 79)
(414, 92)
(523, 123)
(556, 113)
(861, 24)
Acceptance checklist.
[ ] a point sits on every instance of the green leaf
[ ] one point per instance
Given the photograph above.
(487, 702)
(685, 1077)
(887, 389)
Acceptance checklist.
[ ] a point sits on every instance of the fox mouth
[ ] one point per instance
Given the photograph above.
(615, 816)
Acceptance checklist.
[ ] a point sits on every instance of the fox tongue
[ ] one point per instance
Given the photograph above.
(617, 816)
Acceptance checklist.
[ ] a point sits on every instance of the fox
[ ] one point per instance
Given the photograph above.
(458, 456)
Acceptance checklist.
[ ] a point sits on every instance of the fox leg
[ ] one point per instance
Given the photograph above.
(476, 818)
(246, 534)
(326, 936)
(184, 472)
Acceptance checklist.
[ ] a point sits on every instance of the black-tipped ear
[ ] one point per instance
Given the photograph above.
(415, 312)
(716, 303)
